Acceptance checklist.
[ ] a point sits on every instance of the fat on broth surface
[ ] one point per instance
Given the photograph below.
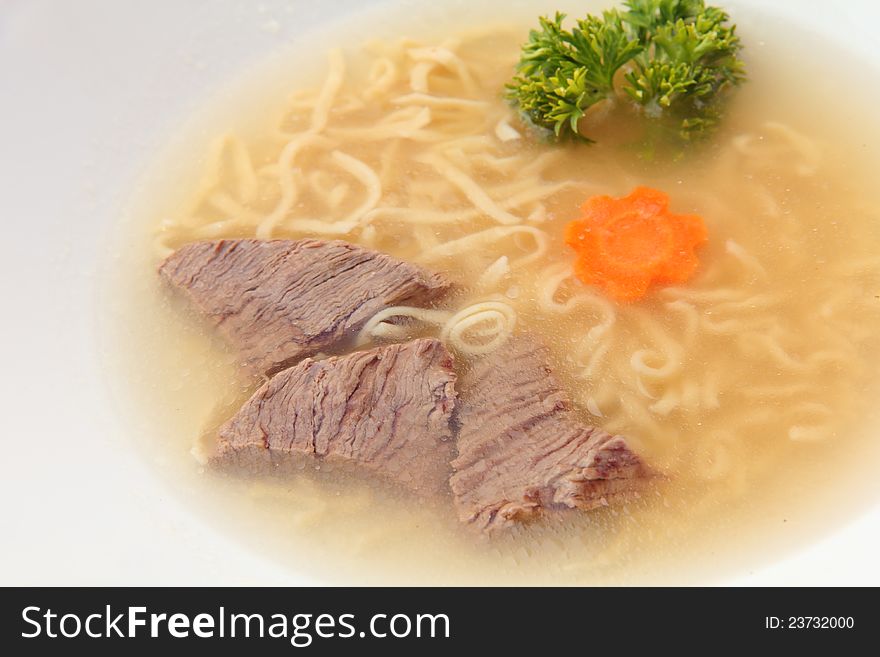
(751, 386)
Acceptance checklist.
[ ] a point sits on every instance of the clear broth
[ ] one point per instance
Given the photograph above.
(773, 492)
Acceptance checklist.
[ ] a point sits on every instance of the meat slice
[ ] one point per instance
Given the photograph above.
(523, 452)
(388, 409)
(278, 301)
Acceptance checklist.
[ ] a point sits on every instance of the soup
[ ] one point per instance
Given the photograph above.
(749, 387)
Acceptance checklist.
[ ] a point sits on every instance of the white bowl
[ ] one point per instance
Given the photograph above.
(89, 93)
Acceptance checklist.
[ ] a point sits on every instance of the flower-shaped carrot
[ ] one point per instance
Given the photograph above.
(624, 245)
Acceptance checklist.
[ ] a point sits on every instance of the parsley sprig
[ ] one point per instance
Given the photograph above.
(676, 58)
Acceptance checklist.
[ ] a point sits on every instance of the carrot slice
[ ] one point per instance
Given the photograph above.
(626, 245)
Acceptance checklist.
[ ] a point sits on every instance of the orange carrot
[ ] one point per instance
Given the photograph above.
(624, 245)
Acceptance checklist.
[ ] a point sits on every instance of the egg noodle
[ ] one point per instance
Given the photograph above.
(410, 149)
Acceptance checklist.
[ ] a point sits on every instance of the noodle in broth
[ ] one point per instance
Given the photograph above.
(719, 383)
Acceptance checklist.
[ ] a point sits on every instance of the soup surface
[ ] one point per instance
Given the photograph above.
(751, 387)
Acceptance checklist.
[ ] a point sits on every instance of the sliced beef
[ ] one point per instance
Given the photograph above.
(523, 452)
(388, 409)
(280, 300)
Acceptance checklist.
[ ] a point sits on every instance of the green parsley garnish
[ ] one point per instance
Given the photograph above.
(670, 58)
